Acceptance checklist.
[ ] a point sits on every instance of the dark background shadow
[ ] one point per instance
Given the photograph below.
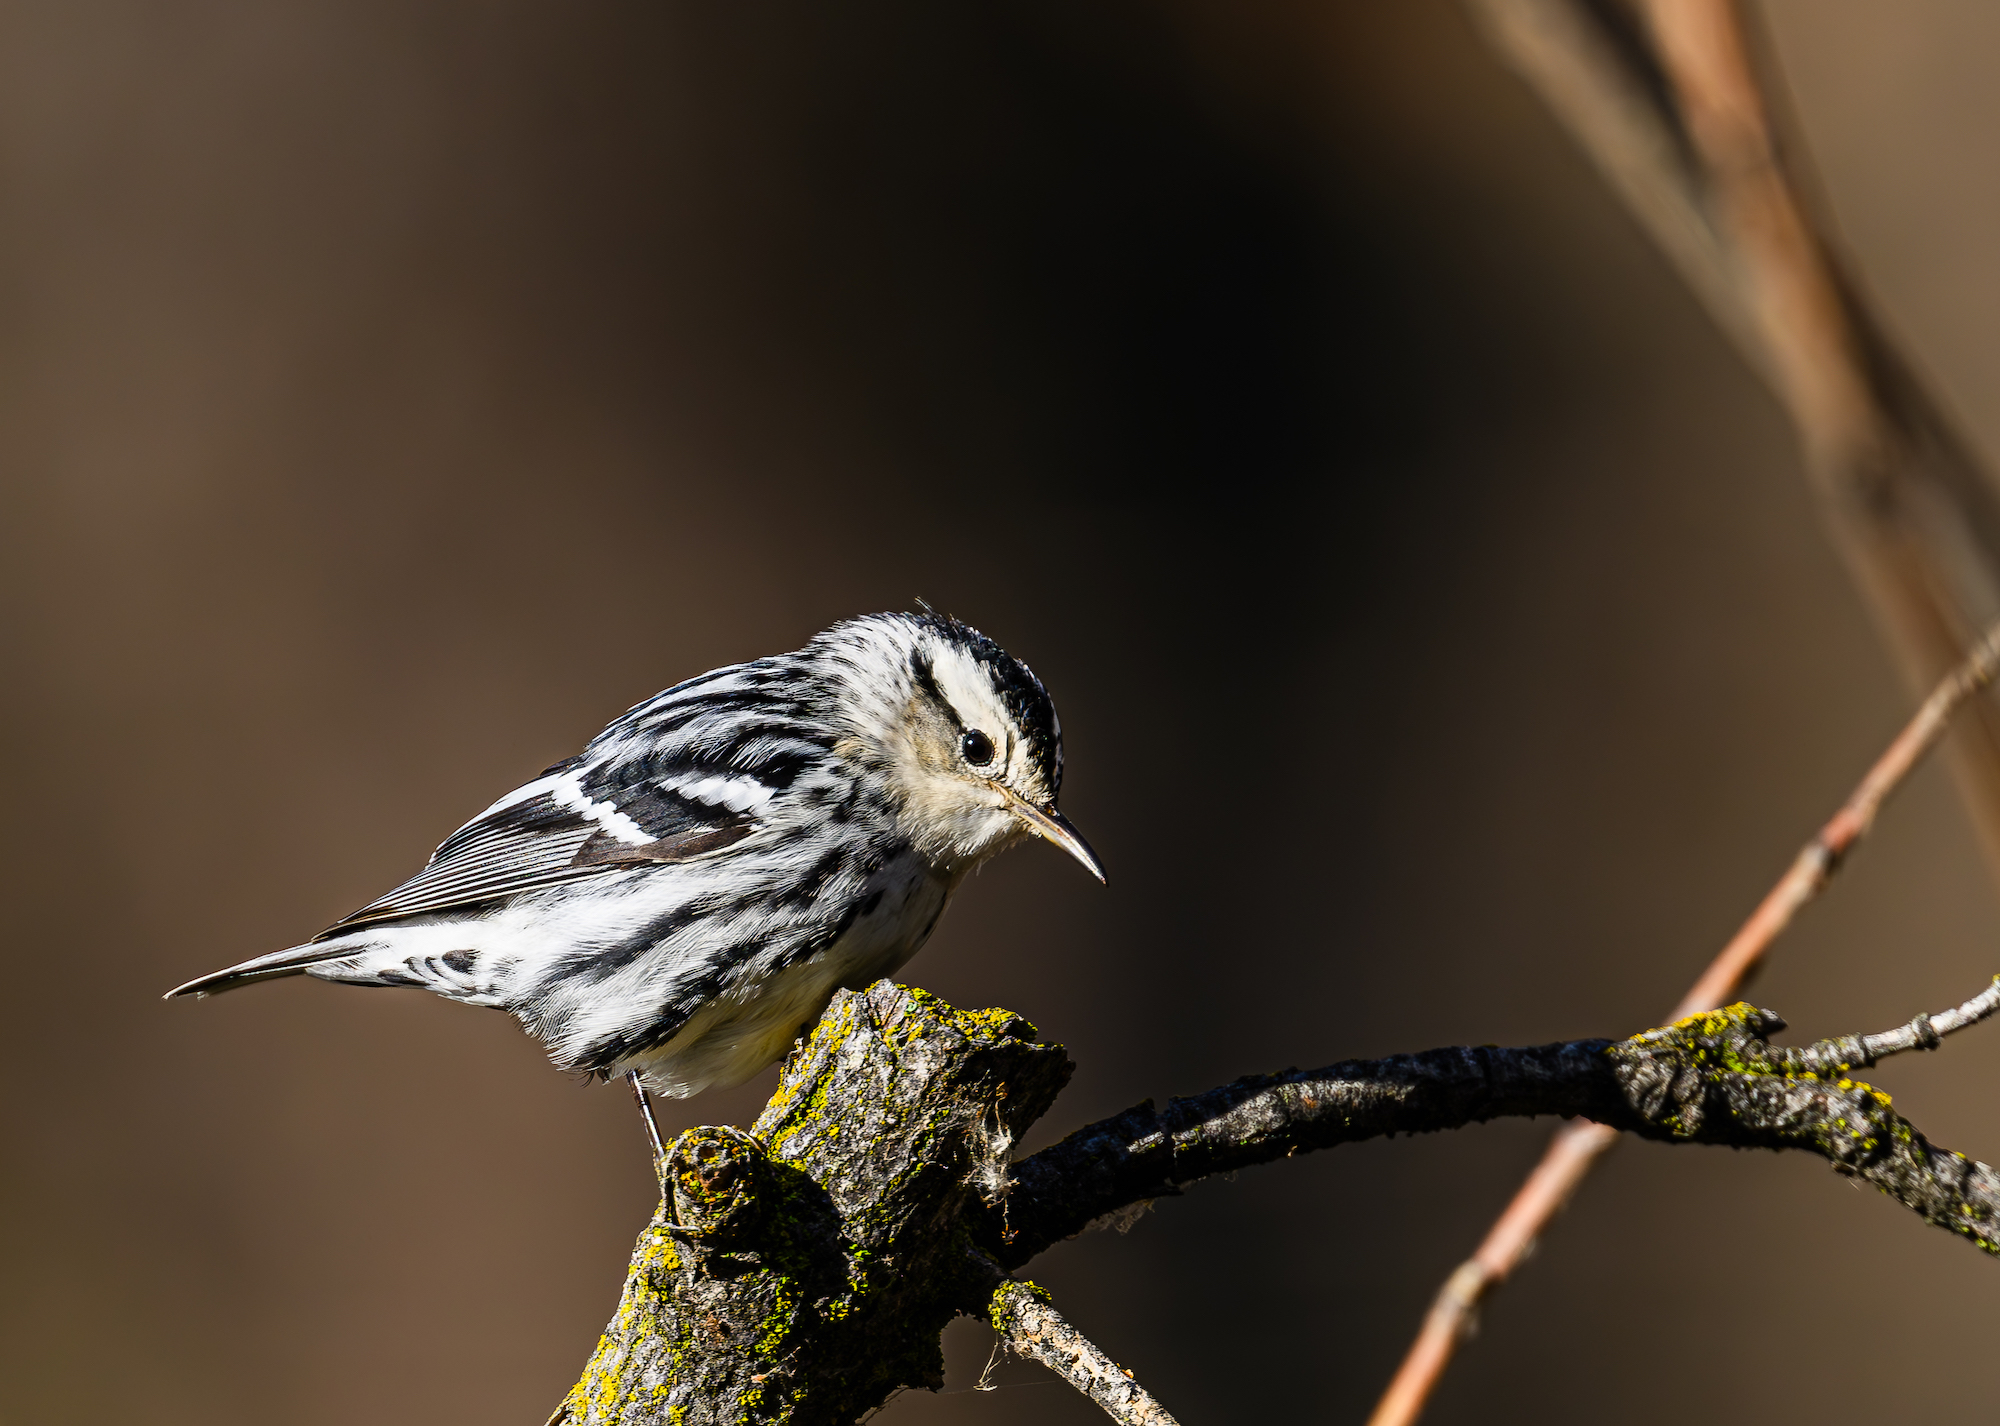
(1445, 643)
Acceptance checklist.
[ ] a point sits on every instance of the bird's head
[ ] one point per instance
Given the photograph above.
(961, 735)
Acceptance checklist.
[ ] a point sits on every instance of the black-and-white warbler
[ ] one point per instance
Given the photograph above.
(676, 903)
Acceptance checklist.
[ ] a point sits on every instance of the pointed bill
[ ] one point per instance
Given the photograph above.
(1051, 824)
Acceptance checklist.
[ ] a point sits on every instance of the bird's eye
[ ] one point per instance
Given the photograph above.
(977, 747)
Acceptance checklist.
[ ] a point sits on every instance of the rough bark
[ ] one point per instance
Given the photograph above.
(802, 1271)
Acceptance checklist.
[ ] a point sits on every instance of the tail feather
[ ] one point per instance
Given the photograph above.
(292, 961)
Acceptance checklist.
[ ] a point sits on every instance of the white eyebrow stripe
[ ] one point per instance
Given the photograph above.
(738, 794)
(567, 792)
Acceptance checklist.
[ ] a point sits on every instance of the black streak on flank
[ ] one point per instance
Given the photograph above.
(823, 940)
(671, 1018)
(602, 966)
(807, 889)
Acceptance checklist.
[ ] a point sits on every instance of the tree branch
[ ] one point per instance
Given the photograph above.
(1029, 1323)
(802, 1271)
(1710, 1079)
(1147, 1153)
(1674, 1080)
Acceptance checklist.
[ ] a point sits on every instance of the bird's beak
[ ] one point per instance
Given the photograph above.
(1053, 825)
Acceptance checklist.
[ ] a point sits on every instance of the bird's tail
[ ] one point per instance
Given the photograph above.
(293, 961)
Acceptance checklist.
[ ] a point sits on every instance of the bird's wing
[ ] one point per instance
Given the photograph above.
(581, 818)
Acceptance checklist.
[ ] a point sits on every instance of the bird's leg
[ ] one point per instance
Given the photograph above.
(645, 1102)
(646, 1108)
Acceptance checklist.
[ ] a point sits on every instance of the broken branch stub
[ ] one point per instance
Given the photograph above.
(1028, 1322)
(811, 1263)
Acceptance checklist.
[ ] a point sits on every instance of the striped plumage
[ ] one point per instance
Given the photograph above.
(682, 897)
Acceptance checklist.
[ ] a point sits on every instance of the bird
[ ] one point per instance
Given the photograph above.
(677, 902)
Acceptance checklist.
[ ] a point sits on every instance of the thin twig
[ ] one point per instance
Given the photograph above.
(1924, 1032)
(1852, 1052)
(1821, 857)
(1023, 1316)
(1579, 1144)
(1576, 1147)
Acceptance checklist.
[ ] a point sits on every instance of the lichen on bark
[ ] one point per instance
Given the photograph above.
(803, 1270)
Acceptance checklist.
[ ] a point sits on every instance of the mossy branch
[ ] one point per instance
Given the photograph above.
(801, 1271)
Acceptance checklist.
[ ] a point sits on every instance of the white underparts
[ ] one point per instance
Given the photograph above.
(754, 1022)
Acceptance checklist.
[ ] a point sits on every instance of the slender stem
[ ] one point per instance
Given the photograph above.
(1821, 857)
(1851, 1052)
(1579, 1144)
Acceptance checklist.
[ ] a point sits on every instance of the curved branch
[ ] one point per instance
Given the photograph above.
(1147, 1153)
(1712, 1078)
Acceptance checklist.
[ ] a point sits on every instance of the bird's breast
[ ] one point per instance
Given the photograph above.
(898, 908)
(755, 1021)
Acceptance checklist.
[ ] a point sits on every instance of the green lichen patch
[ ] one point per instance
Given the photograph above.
(1731, 1039)
(812, 1262)
(1715, 1078)
(1004, 1307)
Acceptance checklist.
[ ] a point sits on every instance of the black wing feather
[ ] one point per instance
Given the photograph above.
(539, 842)
(745, 721)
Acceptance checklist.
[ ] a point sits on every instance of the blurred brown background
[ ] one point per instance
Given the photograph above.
(1446, 645)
